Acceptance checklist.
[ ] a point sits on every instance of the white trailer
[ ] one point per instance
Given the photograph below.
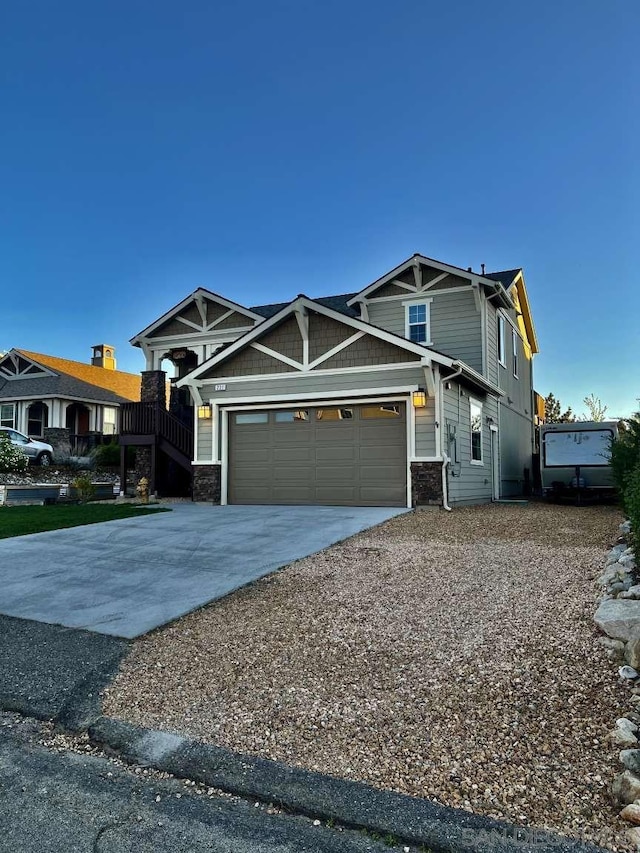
(576, 457)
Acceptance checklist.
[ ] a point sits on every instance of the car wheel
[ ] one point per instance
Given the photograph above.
(44, 459)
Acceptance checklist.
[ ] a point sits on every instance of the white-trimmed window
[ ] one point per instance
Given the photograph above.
(475, 430)
(514, 343)
(502, 325)
(418, 322)
(8, 415)
(109, 420)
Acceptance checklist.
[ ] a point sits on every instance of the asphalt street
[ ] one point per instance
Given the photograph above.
(56, 799)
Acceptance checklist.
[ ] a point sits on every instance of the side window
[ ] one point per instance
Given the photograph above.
(475, 420)
(514, 341)
(501, 341)
(7, 415)
(418, 322)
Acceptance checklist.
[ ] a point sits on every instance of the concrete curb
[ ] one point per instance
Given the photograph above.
(409, 820)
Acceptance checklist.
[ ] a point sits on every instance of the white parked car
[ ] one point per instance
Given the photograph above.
(38, 452)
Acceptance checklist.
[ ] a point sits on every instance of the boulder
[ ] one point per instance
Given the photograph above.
(625, 527)
(626, 787)
(618, 618)
(630, 758)
(632, 814)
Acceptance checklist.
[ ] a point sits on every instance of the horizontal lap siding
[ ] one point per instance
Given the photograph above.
(516, 449)
(471, 483)
(315, 382)
(205, 439)
(425, 430)
(456, 327)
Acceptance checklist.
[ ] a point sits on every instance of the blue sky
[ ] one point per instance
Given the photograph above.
(267, 149)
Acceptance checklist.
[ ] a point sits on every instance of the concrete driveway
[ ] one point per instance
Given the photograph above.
(126, 577)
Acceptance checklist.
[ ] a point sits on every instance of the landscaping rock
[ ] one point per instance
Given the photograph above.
(630, 758)
(614, 554)
(632, 592)
(627, 672)
(632, 650)
(623, 738)
(618, 618)
(625, 527)
(632, 814)
(614, 648)
(626, 787)
(626, 724)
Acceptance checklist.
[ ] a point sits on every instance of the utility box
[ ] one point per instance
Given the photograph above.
(576, 457)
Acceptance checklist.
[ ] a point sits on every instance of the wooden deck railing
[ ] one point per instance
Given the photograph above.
(153, 419)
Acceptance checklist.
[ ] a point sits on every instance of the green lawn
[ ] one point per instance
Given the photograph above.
(20, 520)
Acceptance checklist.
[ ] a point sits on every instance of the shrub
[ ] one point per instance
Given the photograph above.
(84, 487)
(632, 503)
(625, 455)
(12, 459)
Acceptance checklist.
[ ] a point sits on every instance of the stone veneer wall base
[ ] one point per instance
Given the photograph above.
(207, 483)
(426, 484)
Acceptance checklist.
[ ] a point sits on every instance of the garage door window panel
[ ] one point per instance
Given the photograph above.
(380, 412)
(252, 418)
(334, 414)
(292, 417)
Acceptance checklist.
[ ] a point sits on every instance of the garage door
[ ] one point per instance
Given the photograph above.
(343, 455)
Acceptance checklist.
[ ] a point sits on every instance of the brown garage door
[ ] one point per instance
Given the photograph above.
(341, 455)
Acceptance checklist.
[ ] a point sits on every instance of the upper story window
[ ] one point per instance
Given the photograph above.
(417, 322)
(502, 356)
(514, 341)
(475, 422)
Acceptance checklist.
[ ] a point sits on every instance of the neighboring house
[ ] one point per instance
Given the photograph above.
(42, 394)
(417, 389)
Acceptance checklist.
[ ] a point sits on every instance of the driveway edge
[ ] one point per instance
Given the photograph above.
(354, 805)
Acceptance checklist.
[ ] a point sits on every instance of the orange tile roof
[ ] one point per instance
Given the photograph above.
(126, 385)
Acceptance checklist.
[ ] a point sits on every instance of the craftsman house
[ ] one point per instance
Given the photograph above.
(46, 397)
(416, 389)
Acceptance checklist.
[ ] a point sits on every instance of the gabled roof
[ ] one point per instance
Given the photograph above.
(106, 385)
(505, 277)
(303, 302)
(199, 293)
(515, 278)
(418, 259)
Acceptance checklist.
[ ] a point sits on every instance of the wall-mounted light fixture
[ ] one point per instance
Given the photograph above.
(419, 398)
(204, 412)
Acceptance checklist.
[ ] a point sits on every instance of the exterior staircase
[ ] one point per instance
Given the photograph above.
(151, 425)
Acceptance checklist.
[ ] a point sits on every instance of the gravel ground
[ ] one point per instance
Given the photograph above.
(447, 656)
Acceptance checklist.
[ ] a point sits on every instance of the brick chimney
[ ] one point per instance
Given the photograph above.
(104, 355)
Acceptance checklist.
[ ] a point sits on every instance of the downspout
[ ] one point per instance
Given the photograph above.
(445, 457)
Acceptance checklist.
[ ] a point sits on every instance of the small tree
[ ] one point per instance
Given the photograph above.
(595, 410)
(13, 460)
(553, 413)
